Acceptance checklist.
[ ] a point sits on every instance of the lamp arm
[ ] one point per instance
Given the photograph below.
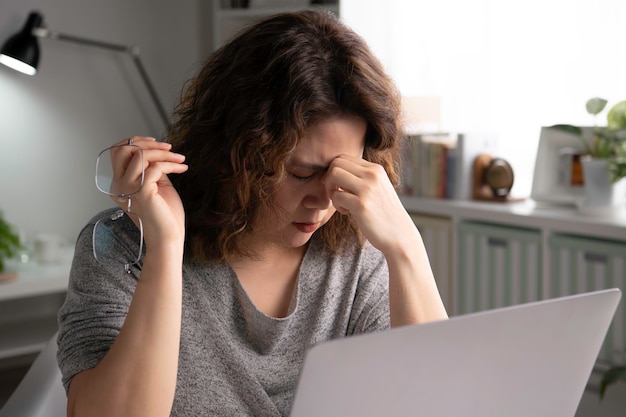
(133, 51)
(146, 80)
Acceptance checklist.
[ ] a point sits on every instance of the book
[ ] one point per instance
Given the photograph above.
(432, 165)
(439, 165)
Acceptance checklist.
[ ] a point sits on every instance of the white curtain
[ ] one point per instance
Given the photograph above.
(501, 67)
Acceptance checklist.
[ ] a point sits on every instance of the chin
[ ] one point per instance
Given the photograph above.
(299, 241)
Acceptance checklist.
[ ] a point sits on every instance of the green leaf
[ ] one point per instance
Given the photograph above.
(9, 241)
(610, 377)
(595, 105)
(576, 131)
(572, 130)
(616, 118)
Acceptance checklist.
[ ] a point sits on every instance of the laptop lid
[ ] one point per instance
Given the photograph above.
(527, 360)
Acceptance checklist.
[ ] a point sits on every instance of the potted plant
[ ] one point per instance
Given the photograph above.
(611, 376)
(604, 163)
(9, 244)
(608, 142)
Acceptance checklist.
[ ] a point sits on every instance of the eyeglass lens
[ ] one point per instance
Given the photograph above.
(107, 246)
(104, 172)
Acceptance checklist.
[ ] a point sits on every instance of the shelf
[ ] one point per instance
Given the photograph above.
(529, 214)
(228, 21)
(26, 336)
(255, 12)
(29, 305)
(33, 279)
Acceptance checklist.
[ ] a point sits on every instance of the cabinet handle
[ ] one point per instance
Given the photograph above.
(595, 257)
(494, 241)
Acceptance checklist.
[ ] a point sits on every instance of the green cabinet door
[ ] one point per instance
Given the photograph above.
(582, 264)
(498, 266)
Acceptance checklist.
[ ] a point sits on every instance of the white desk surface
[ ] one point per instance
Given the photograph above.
(35, 279)
(557, 218)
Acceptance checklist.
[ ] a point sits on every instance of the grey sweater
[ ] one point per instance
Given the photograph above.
(234, 360)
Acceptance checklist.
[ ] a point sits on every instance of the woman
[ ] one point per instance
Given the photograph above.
(247, 263)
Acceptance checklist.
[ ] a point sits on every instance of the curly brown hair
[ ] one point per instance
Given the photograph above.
(242, 116)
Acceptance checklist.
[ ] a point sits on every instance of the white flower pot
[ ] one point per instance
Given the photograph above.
(600, 194)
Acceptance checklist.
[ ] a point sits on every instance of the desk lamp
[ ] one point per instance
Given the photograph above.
(21, 52)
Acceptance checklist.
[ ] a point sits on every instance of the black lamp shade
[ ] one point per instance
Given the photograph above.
(21, 51)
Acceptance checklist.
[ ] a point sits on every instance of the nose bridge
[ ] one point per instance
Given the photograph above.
(317, 196)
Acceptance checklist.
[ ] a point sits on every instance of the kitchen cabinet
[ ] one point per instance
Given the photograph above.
(582, 264)
(498, 266)
(509, 253)
(436, 233)
(29, 305)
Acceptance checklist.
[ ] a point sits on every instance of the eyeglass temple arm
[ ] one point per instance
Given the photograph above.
(132, 50)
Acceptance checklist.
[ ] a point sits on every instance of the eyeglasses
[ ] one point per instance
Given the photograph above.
(106, 244)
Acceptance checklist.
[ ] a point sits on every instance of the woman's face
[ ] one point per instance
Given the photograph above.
(301, 199)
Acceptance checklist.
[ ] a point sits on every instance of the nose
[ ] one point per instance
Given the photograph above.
(316, 196)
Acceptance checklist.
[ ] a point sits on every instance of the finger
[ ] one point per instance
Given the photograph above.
(337, 178)
(120, 157)
(349, 173)
(358, 160)
(356, 165)
(340, 171)
(134, 169)
(155, 165)
(149, 143)
(344, 202)
(142, 159)
(155, 155)
(122, 153)
(136, 140)
(354, 185)
(130, 163)
(157, 176)
(157, 170)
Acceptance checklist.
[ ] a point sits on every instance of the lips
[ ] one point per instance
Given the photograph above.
(306, 227)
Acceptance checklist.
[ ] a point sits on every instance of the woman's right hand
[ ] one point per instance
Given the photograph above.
(154, 315)
(157, 202)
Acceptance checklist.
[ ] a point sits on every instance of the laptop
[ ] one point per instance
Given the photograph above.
(527, 360)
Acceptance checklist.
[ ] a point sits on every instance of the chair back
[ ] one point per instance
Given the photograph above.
(41, 392)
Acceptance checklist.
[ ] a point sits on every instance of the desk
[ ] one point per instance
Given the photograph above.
(29, 305)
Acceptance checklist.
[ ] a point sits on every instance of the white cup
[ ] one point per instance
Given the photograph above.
(48, 248)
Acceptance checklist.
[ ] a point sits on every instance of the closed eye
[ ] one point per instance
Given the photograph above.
(303, 178)
(305, 172)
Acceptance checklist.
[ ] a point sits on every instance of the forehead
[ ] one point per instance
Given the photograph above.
(330, 138)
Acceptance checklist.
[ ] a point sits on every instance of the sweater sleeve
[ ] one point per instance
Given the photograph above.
(97, 301)
(370, 311)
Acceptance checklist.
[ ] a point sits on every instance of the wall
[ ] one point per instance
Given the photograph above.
(83, 99)
(501, 68)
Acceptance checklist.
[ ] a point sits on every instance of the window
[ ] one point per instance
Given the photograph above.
(500, 66)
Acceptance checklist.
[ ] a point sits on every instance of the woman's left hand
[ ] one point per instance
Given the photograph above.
(363, 189)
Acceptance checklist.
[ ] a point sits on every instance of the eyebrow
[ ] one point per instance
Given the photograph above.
(306, 165)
